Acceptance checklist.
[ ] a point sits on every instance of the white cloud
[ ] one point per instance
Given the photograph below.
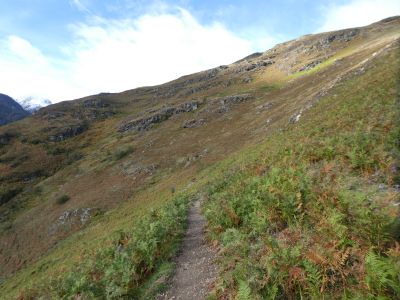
(116, 55)
(357, 13)
(25, 71)
(79, 5)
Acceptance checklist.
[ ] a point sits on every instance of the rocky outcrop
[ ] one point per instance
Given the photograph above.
(310, 65)
(234, 99)
(158, 117)
(256, 65)
(68, 132)
(343, 36)
(222, 105)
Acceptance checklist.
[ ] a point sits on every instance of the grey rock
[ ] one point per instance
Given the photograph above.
(139, 169)
(194, 123)
(70, 218)
(310, 65)
(295, 118)
(245, 67)
(265, 106)
(344, 35)
(68, 132)
(162, 115)
(247, 80)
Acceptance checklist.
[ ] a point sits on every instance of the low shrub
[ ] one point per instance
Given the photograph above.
(62, 199)
(122, 152)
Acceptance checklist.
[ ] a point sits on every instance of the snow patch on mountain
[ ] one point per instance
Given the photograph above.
(32, 104)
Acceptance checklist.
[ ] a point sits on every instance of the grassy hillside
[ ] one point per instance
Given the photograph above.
(297, 151)
(315, 211)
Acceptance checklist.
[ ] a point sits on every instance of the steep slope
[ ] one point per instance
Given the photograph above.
(10, 110)
(313, 211)
(79, 173)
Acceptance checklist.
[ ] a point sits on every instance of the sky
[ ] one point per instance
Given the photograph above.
(66, 49)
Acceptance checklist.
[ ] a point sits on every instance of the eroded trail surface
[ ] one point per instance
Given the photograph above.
(196, 269)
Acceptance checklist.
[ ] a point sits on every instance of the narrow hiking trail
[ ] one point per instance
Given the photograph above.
(196, 269)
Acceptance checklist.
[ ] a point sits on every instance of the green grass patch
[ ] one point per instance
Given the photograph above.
(341, 54)
(269, 88)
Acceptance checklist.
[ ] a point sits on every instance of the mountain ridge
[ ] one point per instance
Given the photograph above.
(10, 110)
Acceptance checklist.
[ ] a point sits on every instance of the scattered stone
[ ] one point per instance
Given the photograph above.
(264, 106)
(194, 123)
(295, 118)
(382, 187)
(138, 169)
(247, 80)
(70, 218)
(235, 99)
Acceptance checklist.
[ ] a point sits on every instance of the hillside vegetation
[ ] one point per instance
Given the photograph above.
(315, 211)
(296, 151)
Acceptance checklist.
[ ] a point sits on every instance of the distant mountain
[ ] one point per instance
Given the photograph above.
(32, 104)
(10, 110)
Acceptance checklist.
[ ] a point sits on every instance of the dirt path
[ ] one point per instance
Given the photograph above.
(195, 266)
